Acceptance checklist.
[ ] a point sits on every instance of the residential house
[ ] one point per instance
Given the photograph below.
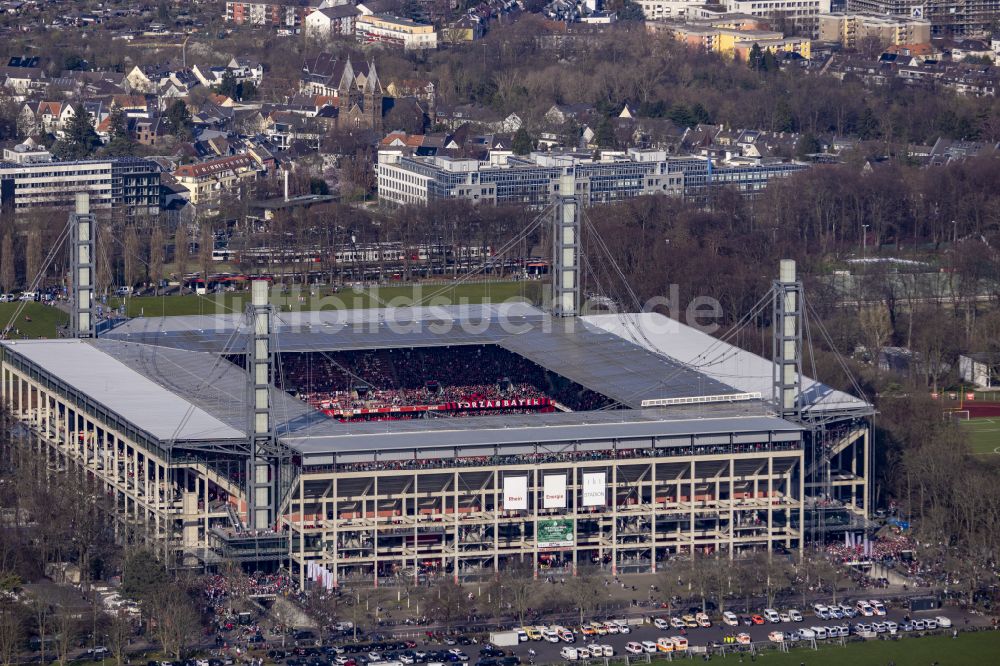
(207, 182)
(327, 22)
(395, 31)
(27, 152)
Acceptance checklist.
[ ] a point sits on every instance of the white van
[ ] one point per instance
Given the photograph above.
(569, 653)
(771, 615)
(550, 635)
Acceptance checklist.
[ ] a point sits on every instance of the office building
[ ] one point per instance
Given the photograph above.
(126, 184)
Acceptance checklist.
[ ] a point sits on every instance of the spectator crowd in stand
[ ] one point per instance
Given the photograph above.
(372, 379)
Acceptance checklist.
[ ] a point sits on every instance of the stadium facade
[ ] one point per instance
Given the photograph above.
(688, 462)
(657, 441)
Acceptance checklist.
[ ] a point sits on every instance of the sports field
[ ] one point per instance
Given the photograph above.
(976, 649)
(984, 434)
(34, 321)
(305, 299)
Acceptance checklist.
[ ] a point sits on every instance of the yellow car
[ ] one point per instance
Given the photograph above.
(690, 621)
(587, 630)
(533, 633)
(599, 628)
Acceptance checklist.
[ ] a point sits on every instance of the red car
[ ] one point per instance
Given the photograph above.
(757, 619)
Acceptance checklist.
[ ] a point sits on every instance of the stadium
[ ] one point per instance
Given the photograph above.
(371, 445)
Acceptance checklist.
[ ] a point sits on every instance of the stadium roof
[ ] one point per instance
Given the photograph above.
(215, 385)
(601, 361)
(103, 379)
(719, 360)
(603, 430)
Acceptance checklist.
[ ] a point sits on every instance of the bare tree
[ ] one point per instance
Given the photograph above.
(11, 632)
(41, 611)
(8, 273)
(33, 256)
(156, 252)
(177, 622)
(120, 631)
(182, 252)
(448, 600)
(132, 258)
(206, 244)
(67, 628)
(517, 585)
(584, 590)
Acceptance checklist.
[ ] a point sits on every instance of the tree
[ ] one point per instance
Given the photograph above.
(33, 257)
(143, 575)
(79, 138)
(120, 632)
(206, 244)
(229, 86)
(156, 254)
(132, 258)
(11, 632)
(755, 59)
(41, 611)
(120, 142)
(584, 590)
(7, 268)
(523, 143)
(604, 133)
(177, 622)
(448, 601)
(67, 628)
(182, 252)
(807, 145)
(517, 585)
(179, 119)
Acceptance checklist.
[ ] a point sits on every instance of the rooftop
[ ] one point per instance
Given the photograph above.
(115, 385)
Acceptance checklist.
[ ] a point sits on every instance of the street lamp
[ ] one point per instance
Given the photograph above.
(864, 245)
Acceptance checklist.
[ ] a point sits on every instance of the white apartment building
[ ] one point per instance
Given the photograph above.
(788, 15)
(129, 184)
(658, 10)
(395, 31)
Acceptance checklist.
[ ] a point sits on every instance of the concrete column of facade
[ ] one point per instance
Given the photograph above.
(336, 531)
(496, 520)
(614, 518)
(455, 524)
(770, 502)
(692, 488)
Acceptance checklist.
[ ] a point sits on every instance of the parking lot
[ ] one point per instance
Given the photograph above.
(467, 650)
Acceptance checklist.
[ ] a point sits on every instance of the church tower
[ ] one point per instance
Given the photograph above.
(373, 95)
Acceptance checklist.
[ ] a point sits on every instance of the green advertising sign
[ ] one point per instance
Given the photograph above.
(555, 533)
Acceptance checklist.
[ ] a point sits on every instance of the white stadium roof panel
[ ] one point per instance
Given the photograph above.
(707, 355)
(120, 389)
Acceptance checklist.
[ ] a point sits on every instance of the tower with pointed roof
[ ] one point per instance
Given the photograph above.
(359, 98)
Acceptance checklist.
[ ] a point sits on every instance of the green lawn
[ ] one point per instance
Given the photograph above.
(984, 434)
(303, 299)
(35, 321)
(978, 649)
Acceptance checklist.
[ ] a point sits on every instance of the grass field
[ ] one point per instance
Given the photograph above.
(402, 295)
(984, 435)
(35, 321)
(967, 650)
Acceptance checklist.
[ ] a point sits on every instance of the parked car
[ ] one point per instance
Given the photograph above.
(795, 615)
